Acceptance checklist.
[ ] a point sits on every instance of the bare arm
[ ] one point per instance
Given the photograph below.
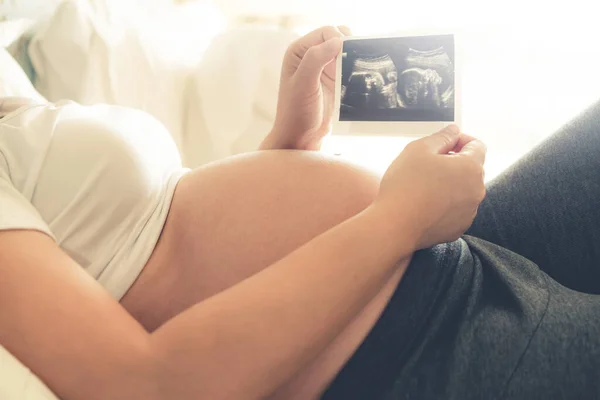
(248, 340)
(68, 330)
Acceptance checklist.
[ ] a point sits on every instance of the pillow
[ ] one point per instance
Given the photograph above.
(19, 49)
(91, 53)
(232, 96)
(12, 30)
(13, 80)
(18, 382)
(15, 36)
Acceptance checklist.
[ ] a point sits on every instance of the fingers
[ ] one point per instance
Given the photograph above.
(443, 141)
(475, 149)
(450, 139)
(462, 141)
(314, 38)
(469, 146)
(316, 59)
(318, 36)
(330, 70)
(345, 30)
(298, 51)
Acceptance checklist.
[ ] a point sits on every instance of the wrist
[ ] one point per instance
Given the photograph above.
(276, 140)
(395, 226)
(269, 142)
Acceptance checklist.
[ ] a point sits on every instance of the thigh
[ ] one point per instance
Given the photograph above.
(547, 206)
(563, 358)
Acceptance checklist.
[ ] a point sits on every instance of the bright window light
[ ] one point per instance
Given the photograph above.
(529, 67)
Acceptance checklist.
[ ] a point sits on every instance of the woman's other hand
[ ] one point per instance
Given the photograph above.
(435, 186)
(306, 93)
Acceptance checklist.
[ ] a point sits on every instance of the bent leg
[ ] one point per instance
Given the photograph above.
(547, 206)
(562, 360)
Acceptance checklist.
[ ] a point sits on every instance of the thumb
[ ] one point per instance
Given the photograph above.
(475, 149)
(443, 141)
(316, 59)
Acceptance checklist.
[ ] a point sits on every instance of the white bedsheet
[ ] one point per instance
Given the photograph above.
(19, 383)
(13, 81)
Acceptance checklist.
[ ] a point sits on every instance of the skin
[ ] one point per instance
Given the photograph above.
(264, 280)
(258, 224)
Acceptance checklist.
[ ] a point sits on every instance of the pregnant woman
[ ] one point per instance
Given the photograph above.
(283, 274)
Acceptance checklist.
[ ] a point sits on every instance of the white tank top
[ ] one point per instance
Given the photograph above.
(98, 179)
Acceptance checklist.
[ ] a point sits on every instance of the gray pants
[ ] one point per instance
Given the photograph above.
(546, 208)
(510, 311)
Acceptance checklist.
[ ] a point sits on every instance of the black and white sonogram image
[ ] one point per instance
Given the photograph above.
(398, 79)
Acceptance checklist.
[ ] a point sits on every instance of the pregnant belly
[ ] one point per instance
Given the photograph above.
(230, 220)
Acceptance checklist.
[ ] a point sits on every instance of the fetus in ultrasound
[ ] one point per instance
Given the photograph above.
(428, 80)
(419, 88)
(373, 83)
(363, 88)
(398, 79)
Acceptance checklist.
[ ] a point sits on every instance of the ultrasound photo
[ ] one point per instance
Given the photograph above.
(398, 79)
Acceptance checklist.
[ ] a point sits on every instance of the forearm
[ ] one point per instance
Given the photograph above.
(240, 344)
(263, 330)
